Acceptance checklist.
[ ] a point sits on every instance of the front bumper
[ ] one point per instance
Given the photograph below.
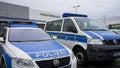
(74, 63)
(103, 52)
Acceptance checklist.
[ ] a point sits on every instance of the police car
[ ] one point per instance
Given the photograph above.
(27, 47)
(87, 38)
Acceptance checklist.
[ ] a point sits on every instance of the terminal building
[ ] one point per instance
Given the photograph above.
(16, 12)
(43, 16)
(10, 11)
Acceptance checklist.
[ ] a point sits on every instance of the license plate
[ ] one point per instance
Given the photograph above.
(116, 54)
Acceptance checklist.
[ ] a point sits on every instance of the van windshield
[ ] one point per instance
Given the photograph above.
(89, 24)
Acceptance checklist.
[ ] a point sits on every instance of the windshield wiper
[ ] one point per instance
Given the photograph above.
(88, 29)
(96, 29)
(44, 40)
(16, 41)
(101, 29)
(31, 40)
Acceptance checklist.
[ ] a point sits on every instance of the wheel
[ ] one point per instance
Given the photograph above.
(81, 56)
(3, 65)
(0, 62)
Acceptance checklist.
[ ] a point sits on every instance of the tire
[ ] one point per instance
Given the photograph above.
(81, 56)
(0, 62)
(3, 64)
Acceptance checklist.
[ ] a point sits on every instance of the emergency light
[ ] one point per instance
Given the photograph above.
(74, 15)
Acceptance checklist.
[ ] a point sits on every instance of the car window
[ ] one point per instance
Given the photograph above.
(28, 35)
(3, 24)
(89, 24)
(69, 26)
(3, 33)
(54, 25)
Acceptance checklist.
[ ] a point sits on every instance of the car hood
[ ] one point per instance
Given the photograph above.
(43, 49)
(104, 35)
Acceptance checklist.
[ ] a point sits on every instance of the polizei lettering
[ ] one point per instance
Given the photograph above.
(51, 53)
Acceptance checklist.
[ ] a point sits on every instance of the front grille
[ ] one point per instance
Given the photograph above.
(112, 42)
(50, 63)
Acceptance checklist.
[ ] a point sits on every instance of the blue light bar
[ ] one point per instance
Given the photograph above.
(24, 25)
(74, 15)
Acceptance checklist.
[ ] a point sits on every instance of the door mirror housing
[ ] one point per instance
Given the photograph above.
(54, 37)
(1, 39)
(72, 29)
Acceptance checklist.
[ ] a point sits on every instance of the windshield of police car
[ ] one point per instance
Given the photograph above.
(28, 35)
(89, 24)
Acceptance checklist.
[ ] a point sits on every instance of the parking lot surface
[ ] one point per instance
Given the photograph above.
(106, 64)
(102, 64)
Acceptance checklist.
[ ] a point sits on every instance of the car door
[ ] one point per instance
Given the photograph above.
(68, 34)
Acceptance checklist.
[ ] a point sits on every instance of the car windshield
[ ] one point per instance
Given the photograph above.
(28, 35)
(89, 24)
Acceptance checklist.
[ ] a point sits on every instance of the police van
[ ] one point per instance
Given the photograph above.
(29, 47)
(87, 38)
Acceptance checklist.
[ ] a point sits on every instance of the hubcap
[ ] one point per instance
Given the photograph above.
(80, 56)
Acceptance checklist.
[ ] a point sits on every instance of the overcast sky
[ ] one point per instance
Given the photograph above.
(93, 8)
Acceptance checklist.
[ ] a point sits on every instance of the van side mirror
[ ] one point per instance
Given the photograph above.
(2, 40)
(54, 37)
(72, 29)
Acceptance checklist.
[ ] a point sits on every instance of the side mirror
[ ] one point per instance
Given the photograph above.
(54, 37)
(72, 29)
(1, 39)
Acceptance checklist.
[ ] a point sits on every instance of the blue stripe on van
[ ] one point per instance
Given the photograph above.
(81, 38)
(71, 37)
(107, 35)
(92, 35)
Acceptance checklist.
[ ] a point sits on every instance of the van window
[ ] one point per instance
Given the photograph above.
(54, 25)
(89, 24)
(69, 26)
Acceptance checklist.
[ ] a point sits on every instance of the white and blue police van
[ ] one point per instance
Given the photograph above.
(87, 38)
(29, 47)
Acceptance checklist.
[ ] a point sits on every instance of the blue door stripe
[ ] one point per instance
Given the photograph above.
(70, 37)
(92, 35)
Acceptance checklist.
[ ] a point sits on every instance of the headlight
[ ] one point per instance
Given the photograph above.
(95, 41)
(22, 63)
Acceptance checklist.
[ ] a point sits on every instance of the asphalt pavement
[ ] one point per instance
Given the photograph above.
(102, 64)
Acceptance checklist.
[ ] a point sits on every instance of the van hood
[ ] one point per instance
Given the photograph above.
(41, 50)
(104, 35)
